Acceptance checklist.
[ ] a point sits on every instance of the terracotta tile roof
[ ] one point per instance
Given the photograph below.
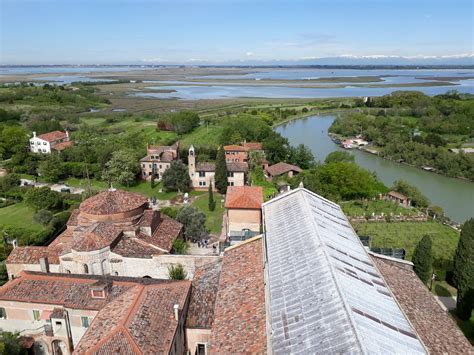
(133, 248)
(435, 327)
(165, 157)
(239, 321)
(163, 237)
(72, 221)
(52, 136)
(113, 201)
(205, 285)
(234, 148)
(206, 167)
(237, 167)
(253, 145)
(248, 197)
(397, 195)
(27, 255)
(63, 145)
(282, 168)
(58, 289)
(98, 236)
(60, 246)
(141, 321)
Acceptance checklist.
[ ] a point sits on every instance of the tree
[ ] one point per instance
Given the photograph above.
(122, 168)
(9, 182)
(221, 172)
(211, 204)
(302, 157)
(43, 198)
(463, 271)
(50, 169)
(43, 217)
(423, 259)
(177, 272)
(10, 344)
(338, 156)
(194, 222)
(181, 122)
(176, 177)
(180, 247)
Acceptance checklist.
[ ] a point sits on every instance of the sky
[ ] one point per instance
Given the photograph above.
(230, 31)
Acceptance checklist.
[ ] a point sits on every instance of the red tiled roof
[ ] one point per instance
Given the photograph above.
(237, 167)
(205, 167)
(98, 236)
(253, 145)
(203, 296)
(63, 145)
(133, 248)
(245, 197)
(66, 290)
(52, 136)
(234, 148)
(239, 320)
(282, 168)
(27, 255)
(72, 221)
(142, 321)
(437, 330)
(397, 195)
(113, 201)
(163, 237)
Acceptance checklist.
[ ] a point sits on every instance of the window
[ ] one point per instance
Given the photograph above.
(36, 315)
(85, 322)
(202, 174)
(58, 323)
(85, 269)
(230, 174)
(161, 167)
(3, 313)
(44, 143)
(201, 349)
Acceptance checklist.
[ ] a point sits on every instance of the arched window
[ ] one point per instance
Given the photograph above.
(147, 277)
(85, 269)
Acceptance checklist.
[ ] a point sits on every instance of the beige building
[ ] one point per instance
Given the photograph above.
(244, 212)
(59, 314)
(111, 233)
(158, 159)
(202, 174)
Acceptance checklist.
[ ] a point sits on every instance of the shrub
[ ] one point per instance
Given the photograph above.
(177, 272)
(423, 259)
(43, 217)
(170, 211)
(180, 247)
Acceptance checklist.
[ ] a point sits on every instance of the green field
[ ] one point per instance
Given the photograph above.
(407, 234)
(19, 215)
(202, 136)
(214, 218)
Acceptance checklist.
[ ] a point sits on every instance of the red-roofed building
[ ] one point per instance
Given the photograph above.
(280, 169)
(112, 233)
(244, 212)
(239, 325)
(158, 160)
(45, 143)
(96, 315)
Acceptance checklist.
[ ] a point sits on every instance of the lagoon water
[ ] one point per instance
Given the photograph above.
(455, 196)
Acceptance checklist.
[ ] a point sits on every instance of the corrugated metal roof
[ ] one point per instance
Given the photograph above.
(326, 296)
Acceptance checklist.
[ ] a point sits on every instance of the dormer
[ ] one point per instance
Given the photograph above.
(100, 289)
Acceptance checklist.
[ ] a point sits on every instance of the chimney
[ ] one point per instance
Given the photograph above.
(44, 265)
(34, 134)
(101, 289)
(176, 311)
(67, 133)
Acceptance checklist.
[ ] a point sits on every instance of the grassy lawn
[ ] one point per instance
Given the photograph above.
(443, 289)
(407, 234)
(214, 218)
(362, 208)
(19, 215)
(202, 136)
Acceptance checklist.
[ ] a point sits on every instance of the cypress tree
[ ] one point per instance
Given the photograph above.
(221, 172)
(423, 259)
(464, 271)
(211, 204)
